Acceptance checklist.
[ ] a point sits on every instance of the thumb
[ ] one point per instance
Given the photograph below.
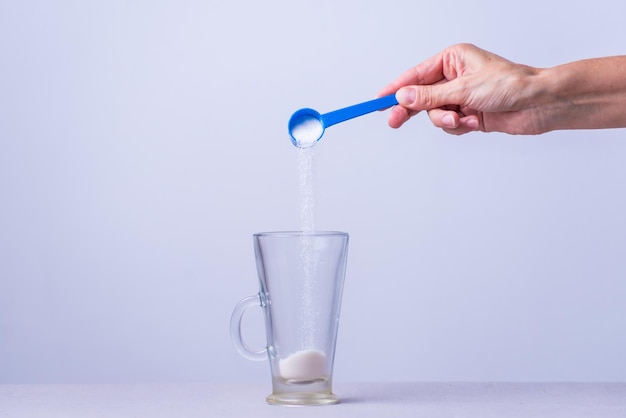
(425, 97)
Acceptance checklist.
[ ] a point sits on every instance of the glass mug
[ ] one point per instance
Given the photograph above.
(301, 276)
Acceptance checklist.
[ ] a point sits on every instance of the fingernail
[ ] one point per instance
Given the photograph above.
(448, 121)
(405, 96)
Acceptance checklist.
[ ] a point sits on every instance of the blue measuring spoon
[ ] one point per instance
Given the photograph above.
(306, 126)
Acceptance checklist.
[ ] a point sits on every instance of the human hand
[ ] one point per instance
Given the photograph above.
(464, 89)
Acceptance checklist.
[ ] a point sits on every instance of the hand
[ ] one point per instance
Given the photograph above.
(464, 89)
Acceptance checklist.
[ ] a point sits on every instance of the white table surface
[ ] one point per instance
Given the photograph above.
(361, 400)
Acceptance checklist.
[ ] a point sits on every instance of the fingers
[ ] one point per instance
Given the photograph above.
(439, 67)
(453, 123)
(435, 84)
(427, 97)
(445, 119)
(398, 115)
(427, 72)
(448, 120)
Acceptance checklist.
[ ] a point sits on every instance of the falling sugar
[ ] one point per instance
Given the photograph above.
(306, 158)
(307, 364)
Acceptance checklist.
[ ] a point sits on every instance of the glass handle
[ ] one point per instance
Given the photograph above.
(235, 329)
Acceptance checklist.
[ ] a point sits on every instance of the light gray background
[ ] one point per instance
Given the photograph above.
(144, 142)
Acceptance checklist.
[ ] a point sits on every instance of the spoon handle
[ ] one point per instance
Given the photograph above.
(336, 116)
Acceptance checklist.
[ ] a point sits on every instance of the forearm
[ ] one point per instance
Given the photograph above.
(588, 94)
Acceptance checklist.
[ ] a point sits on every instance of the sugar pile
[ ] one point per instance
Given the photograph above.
(303, 366)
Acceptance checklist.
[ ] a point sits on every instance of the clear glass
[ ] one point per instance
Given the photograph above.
(301, 276)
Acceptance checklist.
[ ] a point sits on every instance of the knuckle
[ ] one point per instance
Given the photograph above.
(425, 98)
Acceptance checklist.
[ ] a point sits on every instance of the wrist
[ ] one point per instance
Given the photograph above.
(588, 94)
(547, 102)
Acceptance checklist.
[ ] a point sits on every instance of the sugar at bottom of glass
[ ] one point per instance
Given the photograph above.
(303, 366)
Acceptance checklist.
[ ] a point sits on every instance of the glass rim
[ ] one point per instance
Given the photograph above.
(286, 234)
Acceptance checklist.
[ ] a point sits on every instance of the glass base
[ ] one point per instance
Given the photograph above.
(302, 399)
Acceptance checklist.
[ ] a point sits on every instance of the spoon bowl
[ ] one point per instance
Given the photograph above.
(306, 127)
